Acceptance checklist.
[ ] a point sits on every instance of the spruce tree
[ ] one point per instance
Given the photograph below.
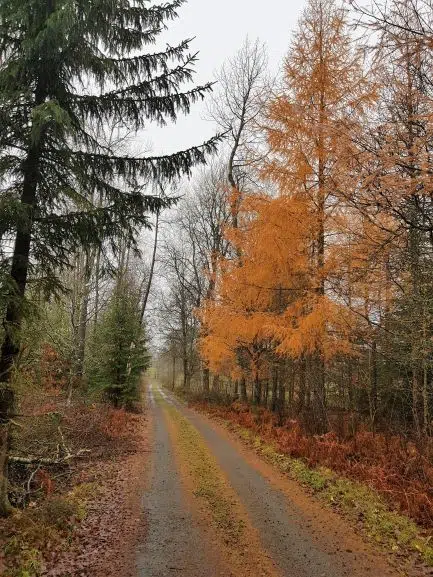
(114, 366)
(66, 66)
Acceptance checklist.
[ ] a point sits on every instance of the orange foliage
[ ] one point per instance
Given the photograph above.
(283, 295)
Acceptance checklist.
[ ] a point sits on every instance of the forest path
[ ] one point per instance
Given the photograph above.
(214, 508)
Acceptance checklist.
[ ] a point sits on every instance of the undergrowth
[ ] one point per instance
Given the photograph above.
(397, 468)
(50, 500)
(355, 500)
(31, 535)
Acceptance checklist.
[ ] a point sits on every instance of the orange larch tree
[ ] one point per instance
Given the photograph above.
(312, 134)
(251, 292)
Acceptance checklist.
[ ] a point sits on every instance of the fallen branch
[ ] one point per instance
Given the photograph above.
(44, 461)
(32, 476)
(63, 452)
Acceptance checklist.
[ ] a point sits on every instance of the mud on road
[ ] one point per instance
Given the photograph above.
(214, 508)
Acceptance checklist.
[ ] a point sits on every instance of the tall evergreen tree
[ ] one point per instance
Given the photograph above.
(65, 65)
(114, 365)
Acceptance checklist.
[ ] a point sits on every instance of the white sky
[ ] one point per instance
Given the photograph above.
(220, 28)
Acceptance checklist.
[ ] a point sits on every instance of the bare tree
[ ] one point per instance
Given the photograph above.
(212, 204)
(204, 216)
(236, 108)
(190, 253)
(408, 16)
(178, 303)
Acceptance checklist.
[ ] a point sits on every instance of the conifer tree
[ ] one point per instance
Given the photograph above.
(66, 64)
(115, 366)
(313, 124)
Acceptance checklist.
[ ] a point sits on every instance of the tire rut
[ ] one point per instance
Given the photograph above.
(175, 542)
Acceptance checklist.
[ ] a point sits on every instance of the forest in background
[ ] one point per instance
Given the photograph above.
(298, 264)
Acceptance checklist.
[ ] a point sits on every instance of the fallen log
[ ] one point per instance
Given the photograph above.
(33, 460)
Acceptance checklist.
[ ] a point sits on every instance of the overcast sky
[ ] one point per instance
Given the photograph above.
(219, 28)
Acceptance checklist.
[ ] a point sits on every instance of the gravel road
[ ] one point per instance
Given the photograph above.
(176, 541)
(300, 537)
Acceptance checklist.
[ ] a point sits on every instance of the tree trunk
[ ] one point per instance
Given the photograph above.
(417, 341)
(206, 381)
(281, 397)
(152, 270)
(412, 111)
(236, 391)
(266, 393)
(373, 385)
(275, 381)
(243, 388)
(6, 408)
(82, 333)
(319, 398)
(19, 272)
(302, 385)
(173, 376)
(319, 391)
(5, 506)
(426, 410)
(97, 273)
(415, 401)
(14, 311)
(216, 384)
(257, 389)
(291, 385)
(84, 310)
(186, 379)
